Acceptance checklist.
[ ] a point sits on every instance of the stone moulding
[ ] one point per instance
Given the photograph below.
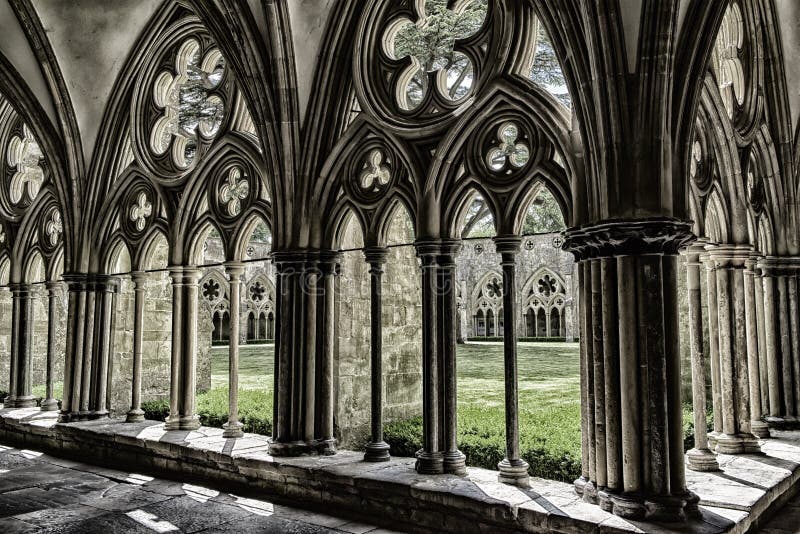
(623, 237)
(391, 492)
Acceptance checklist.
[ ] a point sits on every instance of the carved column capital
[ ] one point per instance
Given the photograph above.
(234, 270)
(625, 237)
(376, 257)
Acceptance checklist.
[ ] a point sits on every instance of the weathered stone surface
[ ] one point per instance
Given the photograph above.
(732, 500)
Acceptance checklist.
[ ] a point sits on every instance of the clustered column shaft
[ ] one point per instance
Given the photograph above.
(303, 419)
(20, 395)
(53, 292)
(377, 449)
(440, 452)
(183, 377)
(630, 367)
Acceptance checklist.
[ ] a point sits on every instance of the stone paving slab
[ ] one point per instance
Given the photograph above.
(732, 500)
(81, 499)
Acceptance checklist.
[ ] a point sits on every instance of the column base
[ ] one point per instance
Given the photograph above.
(100, 414)
(514, 473)
(27, 401)
(182, 423)
(135, 416)
(49, 405)
(782, 422)
(68, 417)
(377, 452)
(579, 484)
(604, 500)
(590, 492)
(286, 449)
(759, 428)
(667, 509)
(455, 463)
(712, 440)
(737, 444)
(429, 463)
(701, 460)
(627, 506)
(232, 430)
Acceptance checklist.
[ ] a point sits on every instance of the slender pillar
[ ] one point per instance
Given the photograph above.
(105, 288)
(757, 426)
(377, 449)
(584, 479)
(771, 336)
(758, 285)
(454, 461)
(183, 382)
(73, 364)
(700, 458)
(713, 345)
(329, 264)
(136, 414)
(20, 395)
(430, 459)
(787, 389)
(636, 465)
(794, 331)
(233, 428)
(50, 404)
(513, 469)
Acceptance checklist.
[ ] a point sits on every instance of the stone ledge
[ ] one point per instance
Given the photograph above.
(735, 499)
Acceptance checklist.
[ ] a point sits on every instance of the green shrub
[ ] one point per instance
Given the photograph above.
(255, 409)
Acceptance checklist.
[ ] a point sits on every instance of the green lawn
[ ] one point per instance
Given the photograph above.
(255, 367)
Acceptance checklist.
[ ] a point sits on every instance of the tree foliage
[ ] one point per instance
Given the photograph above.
(544, 215)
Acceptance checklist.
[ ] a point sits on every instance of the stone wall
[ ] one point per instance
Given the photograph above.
(5, 338)
(402, 338)
(41, 337)
(478, 257)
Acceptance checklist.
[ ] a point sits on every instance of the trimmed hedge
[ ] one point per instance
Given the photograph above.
(255, 409)
(522, 339)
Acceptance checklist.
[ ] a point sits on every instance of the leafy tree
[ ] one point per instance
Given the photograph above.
(546, 70)
(544, 215)
(261, 234)
(478, 222)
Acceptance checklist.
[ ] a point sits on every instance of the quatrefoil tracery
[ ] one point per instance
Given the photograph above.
(234, 190)
(430, 43)
(24, 155)
(189, 111)
(140, 211)
(510, 150)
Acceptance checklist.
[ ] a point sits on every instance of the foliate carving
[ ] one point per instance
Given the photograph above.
(140, 211)
(234, 191)
(658, 235)
(24, 157)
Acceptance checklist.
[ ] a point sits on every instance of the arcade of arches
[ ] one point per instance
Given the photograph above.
(367, 184)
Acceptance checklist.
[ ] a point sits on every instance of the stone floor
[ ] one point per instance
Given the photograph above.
(44, 494)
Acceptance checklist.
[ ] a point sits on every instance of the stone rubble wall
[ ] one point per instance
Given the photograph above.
(5, 338)
(402, 336)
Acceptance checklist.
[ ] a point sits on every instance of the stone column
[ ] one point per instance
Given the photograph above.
(454, 461)
(73, 364)
(787, 388)
(136, 414)
(50, 404)
(794, 331)
(377, 449)
(297, 345)
(713, 347)
(734, 384)
(233, 428)
(20, 395)
(700, 458)
(513, 469)
(771, 340)
(183, 378)
(632, 382)
(329, 268)
(104, 287)
(758, 285)
(430, 459)
(757, 426)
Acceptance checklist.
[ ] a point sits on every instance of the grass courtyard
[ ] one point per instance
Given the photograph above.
(549, 403)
